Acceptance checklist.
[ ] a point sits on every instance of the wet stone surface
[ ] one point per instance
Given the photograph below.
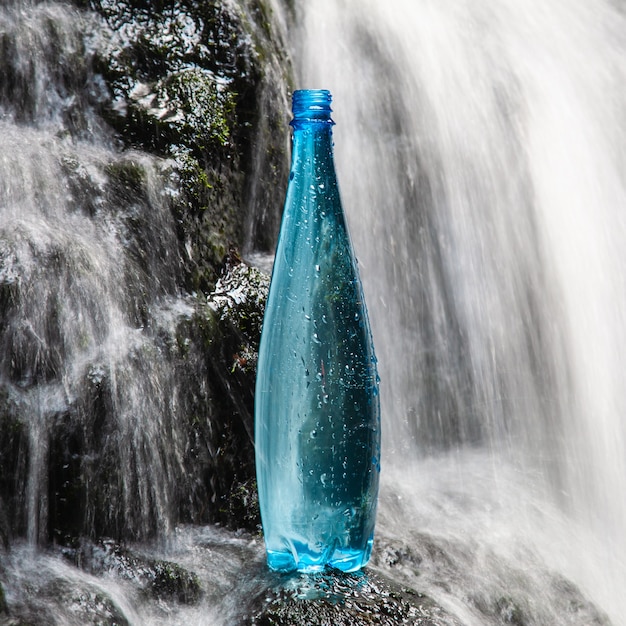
(338, 599)
(158, 579)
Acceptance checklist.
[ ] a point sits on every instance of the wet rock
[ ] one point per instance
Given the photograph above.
(48, 88)
(236, 309)
(204, 351)
(157, 578)
(13, 463)
(336, 599)
(3, 602)
(204, 84)
(229, 328)
(506, 595)
(59, 601)
(241, 510)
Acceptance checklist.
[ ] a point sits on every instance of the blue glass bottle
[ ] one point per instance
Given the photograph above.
(317, 409)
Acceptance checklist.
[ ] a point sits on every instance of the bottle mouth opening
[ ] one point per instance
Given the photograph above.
(312, 104)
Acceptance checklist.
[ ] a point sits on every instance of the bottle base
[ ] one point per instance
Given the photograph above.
(304, 561)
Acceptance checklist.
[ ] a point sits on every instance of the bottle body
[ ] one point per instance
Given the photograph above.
(317, 410)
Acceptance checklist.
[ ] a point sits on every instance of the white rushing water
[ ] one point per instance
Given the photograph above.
(481, 153)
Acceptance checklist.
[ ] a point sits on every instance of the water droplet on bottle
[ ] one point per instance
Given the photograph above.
(317, 268)
(356, 317)
(316, 339)
(313, 434)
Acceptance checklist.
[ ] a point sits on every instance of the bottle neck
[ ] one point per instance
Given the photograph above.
(312, 148)
(311, 110)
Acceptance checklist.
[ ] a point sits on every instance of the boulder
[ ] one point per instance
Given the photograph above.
(366, 598)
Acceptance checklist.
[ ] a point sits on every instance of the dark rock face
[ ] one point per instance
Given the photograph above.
(223, 335)
(204, 83)
(126, 436)
(211, 354)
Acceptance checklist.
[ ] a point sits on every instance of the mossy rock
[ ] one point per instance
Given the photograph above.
(204, 83)
(171, 581)
(241, 507)
(157, 578)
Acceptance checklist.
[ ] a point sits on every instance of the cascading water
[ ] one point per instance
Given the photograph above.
(110, 413)
(75, 304)
(479, 154)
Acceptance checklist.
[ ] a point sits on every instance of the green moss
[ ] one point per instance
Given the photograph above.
(194, 180)
(207, 216)
(127, 173)
(192, 80)
(171, 581)
(241, 508)
(203, 110)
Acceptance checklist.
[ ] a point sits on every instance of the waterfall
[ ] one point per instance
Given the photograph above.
(76, 269)
(480, 151)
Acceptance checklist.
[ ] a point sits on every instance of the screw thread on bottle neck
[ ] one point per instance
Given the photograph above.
(311, 105)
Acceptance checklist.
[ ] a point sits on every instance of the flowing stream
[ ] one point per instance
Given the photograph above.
(481, 154)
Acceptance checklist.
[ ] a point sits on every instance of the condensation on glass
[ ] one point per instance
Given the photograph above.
(317, 408)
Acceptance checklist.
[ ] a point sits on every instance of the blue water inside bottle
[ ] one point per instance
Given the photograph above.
(317, 409)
